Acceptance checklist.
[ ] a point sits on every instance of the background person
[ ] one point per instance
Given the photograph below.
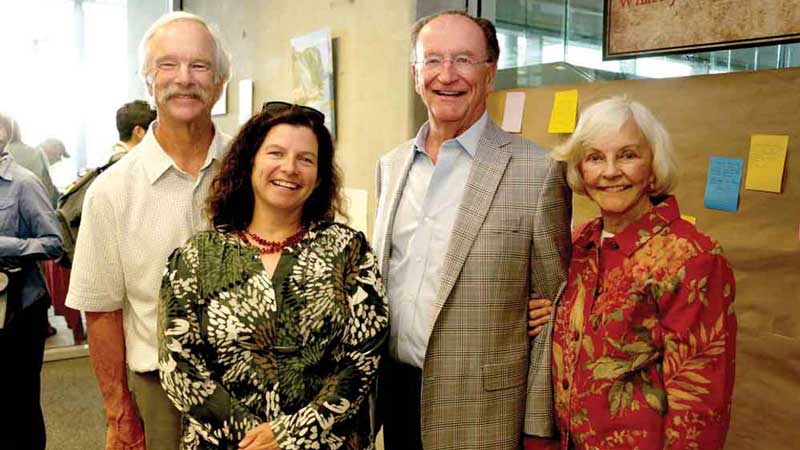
(645, 335)
(273, 324)
(28, 234)
(133, 120)
(61, 168)
(54, 150)
(32, 159)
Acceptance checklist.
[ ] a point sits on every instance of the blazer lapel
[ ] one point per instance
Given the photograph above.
(399, 166)
(488, 168)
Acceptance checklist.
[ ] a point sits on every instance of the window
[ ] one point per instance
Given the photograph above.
(542, 32)
(65, 73)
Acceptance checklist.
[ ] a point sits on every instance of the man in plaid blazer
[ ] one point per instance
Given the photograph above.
(471, 222)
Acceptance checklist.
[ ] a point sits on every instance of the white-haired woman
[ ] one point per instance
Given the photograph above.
(645, 335)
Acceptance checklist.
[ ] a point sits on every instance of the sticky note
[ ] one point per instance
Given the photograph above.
(691, 219)
(765, 162)
(722, 183)
(565, 108)
(512, 114)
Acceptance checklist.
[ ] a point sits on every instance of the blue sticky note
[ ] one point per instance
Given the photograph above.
(722, 185)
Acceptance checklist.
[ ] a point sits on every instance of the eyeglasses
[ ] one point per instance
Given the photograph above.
(276, 108)
(461, 63)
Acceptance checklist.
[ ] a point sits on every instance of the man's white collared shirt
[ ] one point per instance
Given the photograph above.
(134, 215)
(422, 227)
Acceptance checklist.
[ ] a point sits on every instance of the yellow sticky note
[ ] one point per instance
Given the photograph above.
(565, 108)
(691, 219)
(765, 163)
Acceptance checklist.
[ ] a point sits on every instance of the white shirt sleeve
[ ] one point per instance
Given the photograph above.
(97, 282)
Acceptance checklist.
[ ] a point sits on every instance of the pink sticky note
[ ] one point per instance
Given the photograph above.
(512, 115)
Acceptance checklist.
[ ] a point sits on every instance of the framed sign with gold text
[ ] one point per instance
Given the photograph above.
(655, 27)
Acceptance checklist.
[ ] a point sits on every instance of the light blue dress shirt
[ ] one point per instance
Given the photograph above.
(28, 228)
(422, 227)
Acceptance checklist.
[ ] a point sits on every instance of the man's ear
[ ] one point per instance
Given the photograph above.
(491, 77)
(418, 84)
(139, 132)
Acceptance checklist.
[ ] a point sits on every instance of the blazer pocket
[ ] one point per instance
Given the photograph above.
(503, 375)
(501, 225)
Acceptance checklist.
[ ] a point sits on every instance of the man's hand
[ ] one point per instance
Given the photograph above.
(107, 349)
(259, 438)
(537, 443)
(126, 434)
(539, 310)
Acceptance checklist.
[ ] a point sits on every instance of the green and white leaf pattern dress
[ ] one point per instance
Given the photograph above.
(298, 350)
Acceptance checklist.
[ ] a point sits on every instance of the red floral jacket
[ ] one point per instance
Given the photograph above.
(645, 338)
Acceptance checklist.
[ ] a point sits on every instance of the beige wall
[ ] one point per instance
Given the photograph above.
(374, 91)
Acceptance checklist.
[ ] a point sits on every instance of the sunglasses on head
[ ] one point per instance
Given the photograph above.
(275, 108)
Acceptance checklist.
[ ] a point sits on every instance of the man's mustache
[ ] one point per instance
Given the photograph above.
(195, 92)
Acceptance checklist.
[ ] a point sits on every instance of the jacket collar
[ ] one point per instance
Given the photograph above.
(468, 140)
(636, 234)
(156, 161)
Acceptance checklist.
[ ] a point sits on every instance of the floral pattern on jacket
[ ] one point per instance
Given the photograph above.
(298, 350)
(645, 338)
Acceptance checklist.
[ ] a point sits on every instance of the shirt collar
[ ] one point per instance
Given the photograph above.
(5, 166)
(156, 161)
(468, 140)
(637, 233)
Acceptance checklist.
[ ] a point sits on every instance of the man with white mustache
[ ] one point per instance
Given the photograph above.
(135, 214)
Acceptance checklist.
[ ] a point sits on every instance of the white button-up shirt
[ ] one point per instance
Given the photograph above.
(422, 227)
(134, 215)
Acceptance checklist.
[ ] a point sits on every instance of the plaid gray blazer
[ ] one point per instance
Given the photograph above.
(482, 378)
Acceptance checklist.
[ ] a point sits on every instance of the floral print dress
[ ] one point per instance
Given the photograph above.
(298, 350)
(645, 338)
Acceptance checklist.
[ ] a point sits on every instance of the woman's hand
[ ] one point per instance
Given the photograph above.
(259, 438)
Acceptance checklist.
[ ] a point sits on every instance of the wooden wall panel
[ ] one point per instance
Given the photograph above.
(715, 115)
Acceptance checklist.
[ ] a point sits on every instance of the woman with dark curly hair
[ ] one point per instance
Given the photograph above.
(272, 325)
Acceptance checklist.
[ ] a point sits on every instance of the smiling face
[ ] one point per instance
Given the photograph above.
(181, 75)
(285, 171)
(455, 99)
(617, 171)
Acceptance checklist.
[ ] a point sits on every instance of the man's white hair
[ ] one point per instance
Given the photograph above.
(222, 59)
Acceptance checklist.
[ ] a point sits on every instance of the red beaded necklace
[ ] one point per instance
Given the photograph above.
(266, 247)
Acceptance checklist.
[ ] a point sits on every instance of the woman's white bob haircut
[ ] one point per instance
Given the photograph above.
(598, 121)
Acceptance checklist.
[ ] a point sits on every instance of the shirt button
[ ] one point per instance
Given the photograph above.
(576, 336)
(614, 245)
(565, 384)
